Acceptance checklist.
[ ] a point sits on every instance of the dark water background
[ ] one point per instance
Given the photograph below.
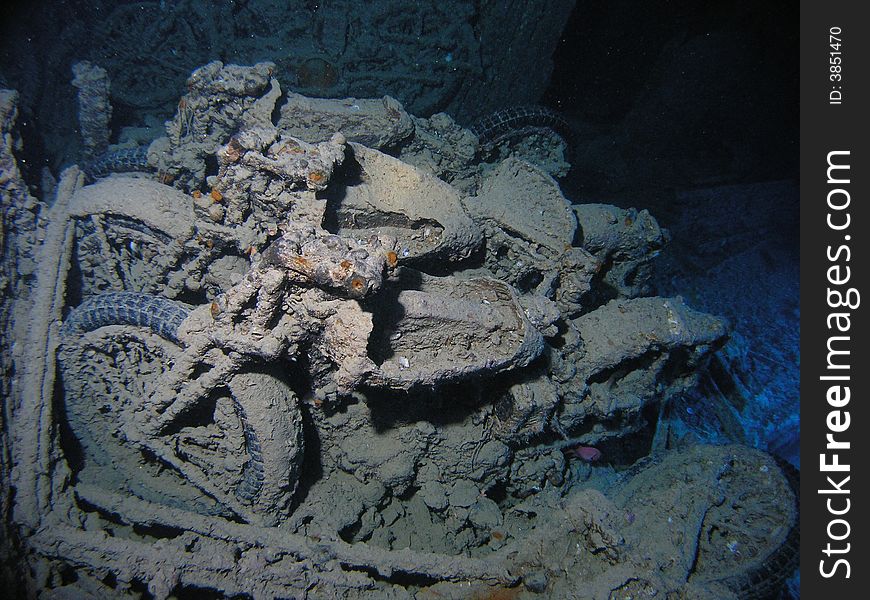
(687, 109)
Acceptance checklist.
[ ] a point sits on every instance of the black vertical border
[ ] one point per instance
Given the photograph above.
(827, 127)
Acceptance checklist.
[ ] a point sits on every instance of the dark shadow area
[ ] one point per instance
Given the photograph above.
(675, 95)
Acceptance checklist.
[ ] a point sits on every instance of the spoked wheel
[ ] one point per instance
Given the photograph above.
(132, 234)
(236, 452)
(751, 541)
(116, 253)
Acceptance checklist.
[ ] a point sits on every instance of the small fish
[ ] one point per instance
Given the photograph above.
(584, 453)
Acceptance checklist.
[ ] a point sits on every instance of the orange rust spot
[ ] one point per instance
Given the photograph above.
(216, 195)
(182, 104)
(497, 535)
(345, 264)
(357, 283)
(302, 262)
(316, 177)
(392, 259)
(215, 309)
(251, 251)
(290, 147)
(196, 194)
(166, 178)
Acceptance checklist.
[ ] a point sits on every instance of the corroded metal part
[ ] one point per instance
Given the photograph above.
(446, 329)
(385, 196)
